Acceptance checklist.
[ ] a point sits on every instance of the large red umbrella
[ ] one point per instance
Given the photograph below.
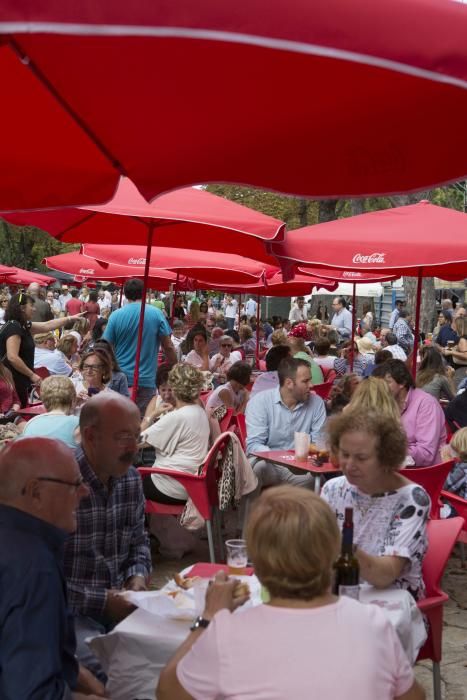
(84, 269)
(27, 277)
(300, 285)
(215, 268)
(187, 218)
(181, 92)
(422, 240)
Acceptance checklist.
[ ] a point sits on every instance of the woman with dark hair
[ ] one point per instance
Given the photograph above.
(99, 328)
(198, 355)
(434, 376)
(421, 415)
(92, 309)
(232, 394)
(17, 344)
(119, 381)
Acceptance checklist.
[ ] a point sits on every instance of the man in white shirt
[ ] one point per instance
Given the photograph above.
(46, 356)
(230, 306)
(102, 300)
(299, 311)
(64, 297)
(251, 307)
(342, 319)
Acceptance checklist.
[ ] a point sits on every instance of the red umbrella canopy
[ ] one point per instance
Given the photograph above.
(27, 277)
(84, 269)
(396, 241)
(120, 88)
(351, 276)
(215, 268)
(276, 287)
(187, 218)
(6, 272)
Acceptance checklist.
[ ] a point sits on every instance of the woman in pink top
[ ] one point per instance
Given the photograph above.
(305, 643)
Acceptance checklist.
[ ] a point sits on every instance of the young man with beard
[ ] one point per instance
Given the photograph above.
(109, 552)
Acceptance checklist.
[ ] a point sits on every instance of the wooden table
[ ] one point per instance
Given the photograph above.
(286, 458)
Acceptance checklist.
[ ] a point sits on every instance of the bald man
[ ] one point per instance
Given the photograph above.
(110, 548)
(42, 310)
(40, 490)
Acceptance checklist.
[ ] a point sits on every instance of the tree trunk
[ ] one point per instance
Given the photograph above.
(327, 210)
(357, 206)
(303, 212)
(428, 305)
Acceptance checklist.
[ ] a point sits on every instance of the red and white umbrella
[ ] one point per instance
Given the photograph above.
(27, 277)
(182, 92)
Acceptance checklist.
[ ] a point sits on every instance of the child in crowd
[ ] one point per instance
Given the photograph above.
(457, 480)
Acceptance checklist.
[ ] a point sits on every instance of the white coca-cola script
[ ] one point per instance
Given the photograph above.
(86, 271)
(351, 274)
(136, 261)
(369, 259)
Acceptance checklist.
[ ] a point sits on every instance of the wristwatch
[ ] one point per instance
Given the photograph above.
(199, 622)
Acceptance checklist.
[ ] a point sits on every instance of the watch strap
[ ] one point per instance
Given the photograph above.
(199, 622)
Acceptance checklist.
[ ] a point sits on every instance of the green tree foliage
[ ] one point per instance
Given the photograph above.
(26, 246)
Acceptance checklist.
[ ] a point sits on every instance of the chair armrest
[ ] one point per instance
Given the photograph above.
(147, 471)
(432, 602)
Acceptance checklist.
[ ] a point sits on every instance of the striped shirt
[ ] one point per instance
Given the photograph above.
(110, 543)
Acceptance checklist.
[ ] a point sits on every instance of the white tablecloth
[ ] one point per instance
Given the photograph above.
(134, 653)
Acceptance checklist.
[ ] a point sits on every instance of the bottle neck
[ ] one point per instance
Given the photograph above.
(347, 540)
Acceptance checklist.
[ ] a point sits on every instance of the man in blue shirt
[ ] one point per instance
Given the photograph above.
(40, 489)
(273, 416)
(122, 332)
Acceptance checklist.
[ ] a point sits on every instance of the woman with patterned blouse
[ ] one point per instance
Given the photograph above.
(390, 512)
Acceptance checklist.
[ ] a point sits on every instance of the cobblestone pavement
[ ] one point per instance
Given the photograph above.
(454, 663)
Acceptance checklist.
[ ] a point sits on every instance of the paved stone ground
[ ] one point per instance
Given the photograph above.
(454, 664)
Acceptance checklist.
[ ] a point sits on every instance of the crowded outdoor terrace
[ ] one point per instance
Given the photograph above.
(319, 404)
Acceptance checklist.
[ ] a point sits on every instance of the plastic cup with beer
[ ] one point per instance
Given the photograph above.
(302, 445)
(237, 557)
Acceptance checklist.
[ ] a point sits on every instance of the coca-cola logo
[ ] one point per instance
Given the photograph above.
(86, 271)
(369, 259)
(136, 261)
(351, 274)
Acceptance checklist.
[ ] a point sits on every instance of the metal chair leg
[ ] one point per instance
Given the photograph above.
(212, 555)
(436, 681)
(218, 530)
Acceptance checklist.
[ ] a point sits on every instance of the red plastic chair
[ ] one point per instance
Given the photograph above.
(201, 488)
(323, 390)
(329, 375)
(227, 421)
(460, 504)
(432, 479)
(442, 536)
(239, 428)
(204, 396)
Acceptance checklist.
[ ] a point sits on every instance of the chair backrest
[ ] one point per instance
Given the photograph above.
(226, 422)
(329, 375)
(323, 390)
(442, 536)
(204, 396)
(460, 504)
(239, 428)
(262, 365)
(210, 472)
(43, 372)
(432, 479)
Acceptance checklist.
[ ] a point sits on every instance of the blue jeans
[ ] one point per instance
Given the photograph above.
(87, 627)
(230, 323)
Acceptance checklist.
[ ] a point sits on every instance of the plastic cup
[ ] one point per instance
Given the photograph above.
(237, 557)
(302, 446)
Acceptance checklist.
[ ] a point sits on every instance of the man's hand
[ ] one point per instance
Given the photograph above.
(117, 607)
(88, 684)
(223, 593)
(136, 583)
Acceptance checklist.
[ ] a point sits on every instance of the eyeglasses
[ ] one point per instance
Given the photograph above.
(92, 368)
(226, 345)
(75, 484)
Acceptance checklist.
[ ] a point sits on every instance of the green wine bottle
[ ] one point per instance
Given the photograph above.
(346, 568)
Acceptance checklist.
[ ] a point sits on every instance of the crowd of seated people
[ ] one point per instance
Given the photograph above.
(376, 419)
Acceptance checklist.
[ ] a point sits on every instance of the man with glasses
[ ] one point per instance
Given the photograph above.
(109, 551)
(40, 490)
(341, 320)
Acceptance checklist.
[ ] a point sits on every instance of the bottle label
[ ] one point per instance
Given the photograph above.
(350, 591)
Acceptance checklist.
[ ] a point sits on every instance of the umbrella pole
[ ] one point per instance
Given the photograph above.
(354, 316)
(120, 299)
(417, 322)
(258, 319)
(141, 315)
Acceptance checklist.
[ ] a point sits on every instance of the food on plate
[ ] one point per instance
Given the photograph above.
(313, 449)
(185, 582)
(241, 589)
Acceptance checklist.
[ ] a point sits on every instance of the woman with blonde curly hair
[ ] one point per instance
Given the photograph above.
(180, 438)
(59, 398)
(293, 540)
